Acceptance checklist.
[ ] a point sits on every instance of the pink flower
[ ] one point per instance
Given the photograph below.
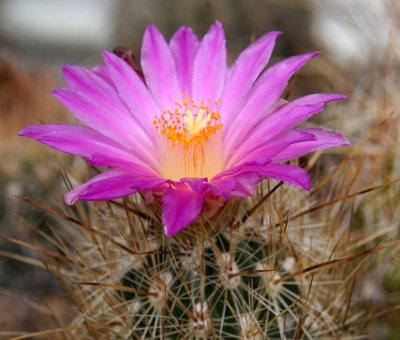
(193, 130)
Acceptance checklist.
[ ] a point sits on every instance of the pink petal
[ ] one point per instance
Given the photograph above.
(243, 74)
(101, 118)
(133, 91)
(114, 183)
(183, 45)
(289, 174)
(264, 152)
(83, 141)
(296, 112)
(82, 80)
(103, 73)
(222, 187)
(102, 115)
(97, 103)
(323, 139)
(210, 65)
(283, 120)
(195, 183)
(246, 184)
(159, 68)
(265, 95)
(180, 208)
(88, 82)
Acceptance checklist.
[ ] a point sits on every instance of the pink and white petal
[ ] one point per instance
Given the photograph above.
(265, 96)
(210, 65)
(114, 183)
(243, 74)
(323, 139)
(180, 208)
(84, 141)
(133, 91)
(159, 69)
(282, 120)
(263, 152)
(184, 45)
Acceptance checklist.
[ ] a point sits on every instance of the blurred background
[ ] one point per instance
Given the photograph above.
(44, 32)
(360, 54)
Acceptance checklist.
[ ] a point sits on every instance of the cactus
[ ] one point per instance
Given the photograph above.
(245, 272)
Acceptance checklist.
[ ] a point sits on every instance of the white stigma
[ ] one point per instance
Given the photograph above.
(195, 126)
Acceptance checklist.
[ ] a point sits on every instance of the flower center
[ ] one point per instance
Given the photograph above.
(190, 139)
(189, 123)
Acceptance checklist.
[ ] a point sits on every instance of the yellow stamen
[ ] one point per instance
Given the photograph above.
(188, 123)
(190, 139)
